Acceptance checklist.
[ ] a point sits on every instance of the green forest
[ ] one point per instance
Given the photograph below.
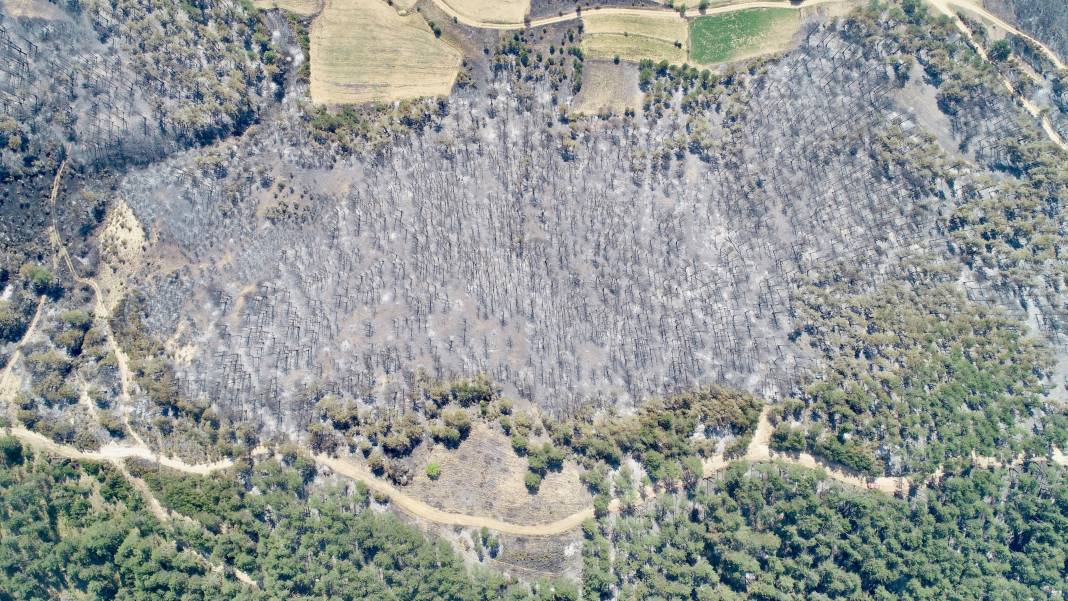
(80, 528)
(757, 531)
(777, 532)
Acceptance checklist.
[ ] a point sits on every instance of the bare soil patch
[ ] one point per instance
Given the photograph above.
(484, 476)
(608, 87)
(122, 252)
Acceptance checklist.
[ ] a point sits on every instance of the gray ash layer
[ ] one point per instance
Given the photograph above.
(606, 270)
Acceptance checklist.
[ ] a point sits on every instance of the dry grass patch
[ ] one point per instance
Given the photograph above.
(363, 51)
(656, 36)
(34, 9)
(300, 7)
(608, 87)
(404, 6)
(491, 11)
(484, 477)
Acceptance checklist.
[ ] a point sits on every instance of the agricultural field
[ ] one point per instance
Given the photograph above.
(737, 35)
(491, 11)
(365, 51)
(656, 36)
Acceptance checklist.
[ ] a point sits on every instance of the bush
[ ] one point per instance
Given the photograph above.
(433, 470)
(519, 444)
(11, 449)
(600, 506)
(1000, 51)
(532, 481)
(12, 326)
(787, 439)
(459, 420)
(450, 437)
(40, 280)
(78, 319)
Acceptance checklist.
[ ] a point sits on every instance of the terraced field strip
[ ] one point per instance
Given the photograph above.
(741, 34)
(492, 11)
(304, 8)
(654, 35)
(692, 12)
(363, 51)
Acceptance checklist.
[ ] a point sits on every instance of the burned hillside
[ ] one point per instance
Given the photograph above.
(570, 262)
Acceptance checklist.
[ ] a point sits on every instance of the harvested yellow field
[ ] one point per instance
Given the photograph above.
(363, 51)
(656, 36)
(300, 7)
(491, 11)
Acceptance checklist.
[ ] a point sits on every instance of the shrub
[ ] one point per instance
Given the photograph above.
(40, 280)
(12, 326)
(788, 439)
(532, 481)
(11, 449)
(1000, 51)
(433, 470)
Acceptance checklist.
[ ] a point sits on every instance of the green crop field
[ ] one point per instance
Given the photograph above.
(730, 36)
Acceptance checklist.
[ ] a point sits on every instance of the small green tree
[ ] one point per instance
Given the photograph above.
(532, 481)
(11, 449)
(433, 470)
(1000, 51)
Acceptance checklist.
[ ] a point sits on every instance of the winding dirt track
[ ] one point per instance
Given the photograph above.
(975, 7)
(758, 451)
(100, 308)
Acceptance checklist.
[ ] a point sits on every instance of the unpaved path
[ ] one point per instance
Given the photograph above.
(945, 7)
(421, 510)
(977, 8)
(113, 453)
(8, 388)
(758, 451)
(100, 309)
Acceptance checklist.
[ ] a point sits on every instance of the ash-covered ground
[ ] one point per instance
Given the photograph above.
(570, 262)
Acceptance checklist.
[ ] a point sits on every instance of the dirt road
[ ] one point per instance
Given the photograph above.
(693, 12)
(975, 7)
(758, 451)
(944, 6)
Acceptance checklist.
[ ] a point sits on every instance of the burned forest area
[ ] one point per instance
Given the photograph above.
(767, 333)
